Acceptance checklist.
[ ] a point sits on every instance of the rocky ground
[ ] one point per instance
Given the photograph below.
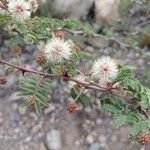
(56, 129)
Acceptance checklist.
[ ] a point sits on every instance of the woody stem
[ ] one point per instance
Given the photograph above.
(46, 75)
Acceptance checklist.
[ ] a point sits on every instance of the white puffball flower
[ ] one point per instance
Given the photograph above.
(105, 70)
(34, 5)
(19, 10)
(58, 50)
(79, 77)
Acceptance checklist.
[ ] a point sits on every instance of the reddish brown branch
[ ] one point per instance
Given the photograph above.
(45, 75)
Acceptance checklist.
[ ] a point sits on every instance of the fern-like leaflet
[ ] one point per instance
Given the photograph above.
(38, 91)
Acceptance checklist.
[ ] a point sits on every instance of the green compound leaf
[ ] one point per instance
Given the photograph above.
(31, 87)
(138, 127)
(119, 120)
(83, 99)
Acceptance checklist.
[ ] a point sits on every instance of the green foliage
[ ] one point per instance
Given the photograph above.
(72, 64)
(43, 26)
(124, 72)
(110, 108)
(51, 67)
(4, 19)
(145, 98)
(83, 99)
(74, 61)
(119, 120)
(138, 91)
(37, 88)
(15, 40)
(85, 55)
(138, 127)
(128, 82)
(123, 114)
(109, 104)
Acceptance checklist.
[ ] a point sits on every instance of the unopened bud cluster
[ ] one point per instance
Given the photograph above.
(143, 138)
(41, 59)
(3, 80)
(59, 34)
(72, 107)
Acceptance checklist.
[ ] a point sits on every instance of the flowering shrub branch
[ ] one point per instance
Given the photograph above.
(119, 92)
(92, 86)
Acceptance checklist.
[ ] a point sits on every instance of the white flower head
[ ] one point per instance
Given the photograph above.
(19, 9)
(105, 70)
(33, 4)
(79, 77)
(58, 50)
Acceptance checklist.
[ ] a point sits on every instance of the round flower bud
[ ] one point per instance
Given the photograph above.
(72, 107)
(3, 80)
(143, 138)
(41, 59)
(59, 34)
(16, 49)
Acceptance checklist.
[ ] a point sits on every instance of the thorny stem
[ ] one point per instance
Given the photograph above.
(84, 84)
(93, 83)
